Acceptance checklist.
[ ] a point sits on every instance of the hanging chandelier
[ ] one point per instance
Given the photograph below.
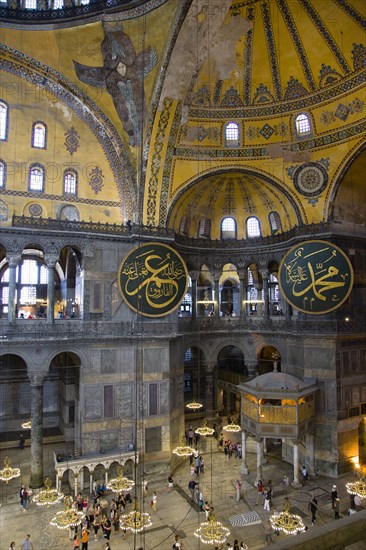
(8, 473)
(212, 531)
(120, 483)
(48, 496)
(194, 405)
(232, 427)
(183, 450)
(67, 518)
(27, 425)
(204, 429)
(290, 524)
(135, 521)
(357, 487)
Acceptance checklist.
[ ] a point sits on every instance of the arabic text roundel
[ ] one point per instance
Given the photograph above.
(315, 277)
(153, 279)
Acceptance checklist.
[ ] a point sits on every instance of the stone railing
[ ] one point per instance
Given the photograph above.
(124, 230)
(76, 329)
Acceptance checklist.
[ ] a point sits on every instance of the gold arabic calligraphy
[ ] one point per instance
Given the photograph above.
(312, 278)
(159, 275)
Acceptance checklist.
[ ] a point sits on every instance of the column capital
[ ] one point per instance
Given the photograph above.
(36, 378)
(13, 259)
(242, 274)
(264, 273)
(194, 275)
(51, 259)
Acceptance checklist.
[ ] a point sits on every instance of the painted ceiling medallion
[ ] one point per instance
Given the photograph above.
(310, 179)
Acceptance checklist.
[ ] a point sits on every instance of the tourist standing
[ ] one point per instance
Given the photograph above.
(313, 507)
(27, 543)
(259, 492)
(268, 533)
(334, 494)
(267, 501)
(154, 501)
(84, 538)
(336, 508)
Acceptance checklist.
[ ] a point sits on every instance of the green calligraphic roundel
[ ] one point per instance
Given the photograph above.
(315, 277)
(153, 279)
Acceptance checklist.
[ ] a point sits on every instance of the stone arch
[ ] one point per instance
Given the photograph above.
(269, 359)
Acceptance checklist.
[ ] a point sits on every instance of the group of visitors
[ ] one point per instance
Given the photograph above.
(230, 448)
(264, 494)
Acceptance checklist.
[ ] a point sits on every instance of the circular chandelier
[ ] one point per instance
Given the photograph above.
(194, 405)
(135, 521)
(120, 483)
(8, 473)
(212, 531)
(48, 496)
(183, 450)
(290, 524)
(204, 429)
(27, 425)
(357, 487)
(232, 427)
(67, 518)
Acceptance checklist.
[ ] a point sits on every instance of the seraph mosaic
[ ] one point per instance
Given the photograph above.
(122, 75)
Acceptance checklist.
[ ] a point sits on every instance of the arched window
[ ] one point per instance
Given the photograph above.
(228, 228)
(3, 121)
(253, 228)
(58, 4)
(39, 133)
(2, 174)
(275, 222)
(183, 226)
(31, 281)
(302, 125)
(204, 228)
(232, 135)
(70, 182)
(36, 178)
(30, 4)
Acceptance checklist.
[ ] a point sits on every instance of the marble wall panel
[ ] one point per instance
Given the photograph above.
(93, 402)
(124, 400)
(156, 360)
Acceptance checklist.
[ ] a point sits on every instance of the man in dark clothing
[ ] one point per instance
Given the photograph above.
(313, 507)
(192, 486)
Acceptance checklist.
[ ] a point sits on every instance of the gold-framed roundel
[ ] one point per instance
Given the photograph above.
(153, 279)
(315, 277)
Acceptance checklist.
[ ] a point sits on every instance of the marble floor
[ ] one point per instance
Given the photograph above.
(176, 514)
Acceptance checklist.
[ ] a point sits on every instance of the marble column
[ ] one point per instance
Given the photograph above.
(13, 261)
(242, 281)
(76, 484)
(296, 481)
(51, 261)
(288, 311)
(259, 441)
(244, 467)
(264, 459)
(264, 274)
(310, 446)
(217, 296)
(194, 276)
(251, 368)
(36, 479)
